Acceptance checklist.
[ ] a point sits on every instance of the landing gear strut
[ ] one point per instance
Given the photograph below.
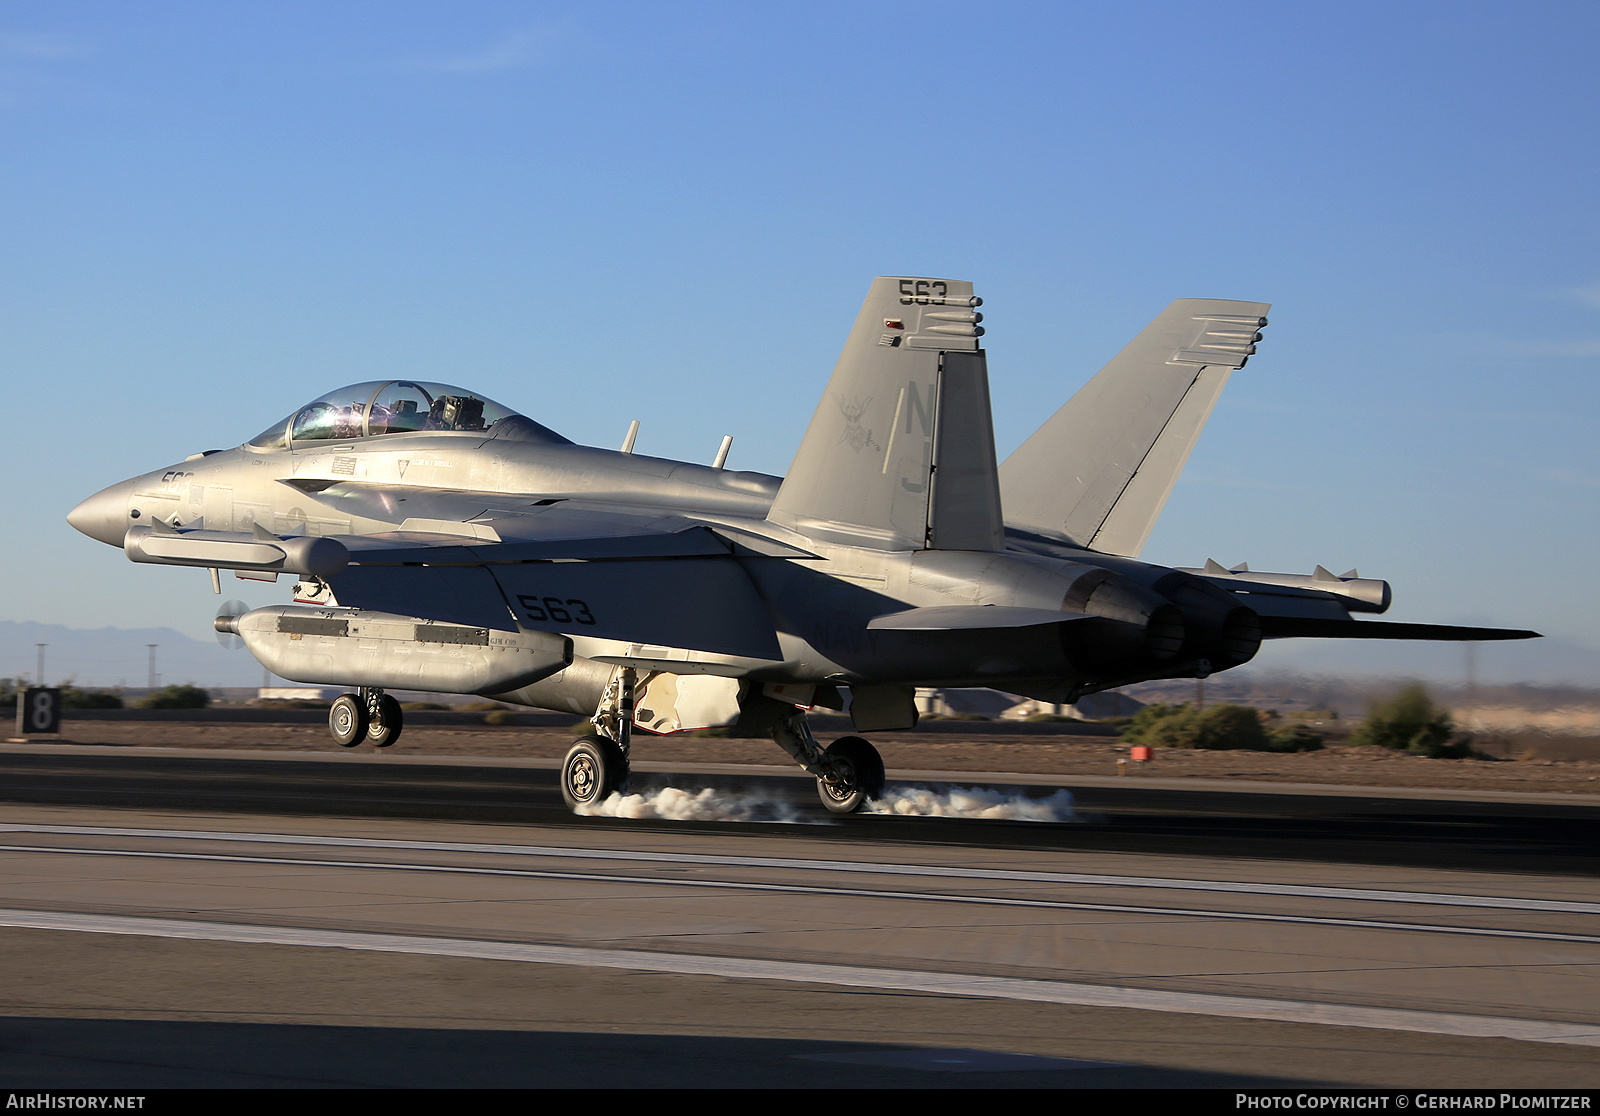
(597, 765)
(370, 714)
(849, 771)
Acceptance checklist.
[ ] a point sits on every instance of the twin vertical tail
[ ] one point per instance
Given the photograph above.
(900, 453)
(1100, 470)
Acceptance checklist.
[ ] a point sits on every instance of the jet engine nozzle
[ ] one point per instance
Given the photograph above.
(1241, 634)
(1130, 623)
(1218, 629)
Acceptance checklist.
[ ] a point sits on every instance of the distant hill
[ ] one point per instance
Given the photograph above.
(119, 656)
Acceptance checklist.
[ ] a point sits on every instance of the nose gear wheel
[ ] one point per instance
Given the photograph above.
(348, 721)
(384, 728)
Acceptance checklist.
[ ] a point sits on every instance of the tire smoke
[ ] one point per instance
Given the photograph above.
(972, 802)
(707, 804)
(900, 799)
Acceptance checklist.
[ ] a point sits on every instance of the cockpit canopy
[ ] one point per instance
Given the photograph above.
(380, 407)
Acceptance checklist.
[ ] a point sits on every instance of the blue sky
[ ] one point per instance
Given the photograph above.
(592, 213)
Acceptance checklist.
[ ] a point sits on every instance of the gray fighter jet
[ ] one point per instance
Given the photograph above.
(444, 542)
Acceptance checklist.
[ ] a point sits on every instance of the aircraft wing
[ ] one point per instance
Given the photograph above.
(635, 575)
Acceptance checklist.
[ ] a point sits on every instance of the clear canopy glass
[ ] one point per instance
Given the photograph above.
(380, 407)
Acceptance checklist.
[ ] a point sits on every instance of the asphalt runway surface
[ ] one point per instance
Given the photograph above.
(226, 919)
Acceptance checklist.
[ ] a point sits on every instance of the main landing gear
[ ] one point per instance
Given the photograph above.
(370, 714)
(597, 765)
(849, 771)
(593, 769)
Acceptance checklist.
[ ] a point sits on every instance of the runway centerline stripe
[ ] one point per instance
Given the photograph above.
(1016, 875)
(807, 889)
(855, 977)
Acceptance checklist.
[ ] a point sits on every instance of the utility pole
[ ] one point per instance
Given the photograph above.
(1471, 649)
(39, 677)
(152, 647)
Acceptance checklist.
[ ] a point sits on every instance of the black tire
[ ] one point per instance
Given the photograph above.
(593, 769)
(861, 781)
(347, 720)
(384, 731)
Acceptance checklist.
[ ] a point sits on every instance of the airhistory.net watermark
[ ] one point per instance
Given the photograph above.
(52, 1101)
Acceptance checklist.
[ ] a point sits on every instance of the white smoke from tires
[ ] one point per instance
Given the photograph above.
(983, 803)
(905, 800)
(706, 804)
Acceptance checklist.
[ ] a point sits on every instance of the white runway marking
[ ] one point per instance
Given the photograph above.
(859, 977)
(1202, 913)
(939, 871)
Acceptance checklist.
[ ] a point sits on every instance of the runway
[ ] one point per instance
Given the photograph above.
(149, 891)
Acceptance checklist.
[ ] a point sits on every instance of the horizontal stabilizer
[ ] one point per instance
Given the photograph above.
(970, 617)
(1100, 470)
(1285, 627)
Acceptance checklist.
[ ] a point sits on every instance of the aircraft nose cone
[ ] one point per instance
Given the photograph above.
(104, 516)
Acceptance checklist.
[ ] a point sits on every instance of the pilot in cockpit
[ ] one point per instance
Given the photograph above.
(381, 407)
(399, 416)
(456, 412)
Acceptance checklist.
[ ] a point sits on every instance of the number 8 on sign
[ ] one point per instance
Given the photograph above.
(40, 710)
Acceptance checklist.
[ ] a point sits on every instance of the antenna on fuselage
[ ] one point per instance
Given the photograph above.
(722, 451)
(633, 432)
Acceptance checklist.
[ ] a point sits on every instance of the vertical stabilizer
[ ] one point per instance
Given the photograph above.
(900, 452)
(964, 510)
(1100, 470)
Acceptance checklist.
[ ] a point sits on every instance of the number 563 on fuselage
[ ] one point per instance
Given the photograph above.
(441, 541)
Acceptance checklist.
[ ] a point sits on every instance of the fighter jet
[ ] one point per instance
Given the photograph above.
(442, 541)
